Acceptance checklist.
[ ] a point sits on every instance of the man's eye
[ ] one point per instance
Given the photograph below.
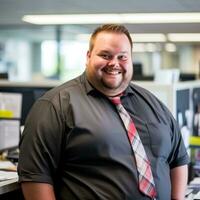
(122, 57)
(105, 56)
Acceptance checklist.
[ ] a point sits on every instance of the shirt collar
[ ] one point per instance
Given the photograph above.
(88, 87)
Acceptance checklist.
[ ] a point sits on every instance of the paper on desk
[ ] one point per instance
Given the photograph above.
(5, 175)
(10, 105)
(195, 180)
(7, 165)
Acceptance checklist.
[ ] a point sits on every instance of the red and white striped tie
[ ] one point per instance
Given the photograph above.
(146, 182)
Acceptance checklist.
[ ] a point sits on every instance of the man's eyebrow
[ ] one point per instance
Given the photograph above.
(104, 51)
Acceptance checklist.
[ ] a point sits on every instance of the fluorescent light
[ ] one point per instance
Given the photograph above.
(184, 37)
(151, 47)
(148, 37)
(137, 18)
(73, 19)
(145, 47)
(170, 47)
(152, 18)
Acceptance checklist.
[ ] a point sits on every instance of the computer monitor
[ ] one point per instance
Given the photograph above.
(4, 75)
(137, 69)
(9, 134)
(187, 76)
(10, 114)
(29, 95)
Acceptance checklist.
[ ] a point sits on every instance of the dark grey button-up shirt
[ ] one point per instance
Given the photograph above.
(75, 140)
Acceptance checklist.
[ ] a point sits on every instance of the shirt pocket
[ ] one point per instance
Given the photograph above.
(160, 139)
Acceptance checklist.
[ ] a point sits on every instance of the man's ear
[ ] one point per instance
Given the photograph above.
(88, 54)
(88, 57)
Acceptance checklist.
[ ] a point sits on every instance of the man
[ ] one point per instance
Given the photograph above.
(75, 144)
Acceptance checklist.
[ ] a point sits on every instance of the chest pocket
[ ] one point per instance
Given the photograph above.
(160, 139)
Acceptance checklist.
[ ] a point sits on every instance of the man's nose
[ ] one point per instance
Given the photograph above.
(114, 62)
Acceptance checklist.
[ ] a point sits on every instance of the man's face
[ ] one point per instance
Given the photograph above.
(109, 63)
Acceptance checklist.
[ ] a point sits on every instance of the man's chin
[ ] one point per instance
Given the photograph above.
(111, 86)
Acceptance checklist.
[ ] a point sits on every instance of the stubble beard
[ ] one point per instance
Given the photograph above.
(116, 88)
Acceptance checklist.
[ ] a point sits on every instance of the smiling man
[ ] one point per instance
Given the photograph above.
(109, 62)
(100, 137)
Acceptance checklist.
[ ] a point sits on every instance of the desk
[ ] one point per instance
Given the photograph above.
(9, 186)
(10, 189)
(195, 186)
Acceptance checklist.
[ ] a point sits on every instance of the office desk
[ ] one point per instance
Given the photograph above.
(194, 186)
(9, 186)
(10, 189)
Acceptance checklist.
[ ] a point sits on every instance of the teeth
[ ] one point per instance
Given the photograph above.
(112, 71)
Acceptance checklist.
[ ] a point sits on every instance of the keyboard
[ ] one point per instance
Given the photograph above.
(7, 175)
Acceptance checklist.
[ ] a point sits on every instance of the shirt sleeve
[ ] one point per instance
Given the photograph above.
(41, 142)
(178, 155)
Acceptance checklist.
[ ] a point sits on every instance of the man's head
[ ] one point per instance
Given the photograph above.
(109, 59)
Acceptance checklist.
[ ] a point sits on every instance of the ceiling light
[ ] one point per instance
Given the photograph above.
(148, 37)
(137, 18)
(151, 47)
(184, 37)
(170, 47)
(73, 19)
(146, 18)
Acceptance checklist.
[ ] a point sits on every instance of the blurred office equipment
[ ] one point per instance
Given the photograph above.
(167, 75)
(9, 134)
(187, 77)
(138, 74)
(30, 92)
(10, 115)
(4, 75)
(137, 68)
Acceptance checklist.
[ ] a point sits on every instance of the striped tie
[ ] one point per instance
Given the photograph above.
(146, 182)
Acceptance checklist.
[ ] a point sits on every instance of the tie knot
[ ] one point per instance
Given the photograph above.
(115, 100)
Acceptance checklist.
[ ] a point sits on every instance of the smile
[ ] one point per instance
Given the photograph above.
(112, 71)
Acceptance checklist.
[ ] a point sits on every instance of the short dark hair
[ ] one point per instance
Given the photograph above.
(112, 28)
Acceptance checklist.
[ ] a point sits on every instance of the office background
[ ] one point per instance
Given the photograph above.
(57, 51)
(35, 57)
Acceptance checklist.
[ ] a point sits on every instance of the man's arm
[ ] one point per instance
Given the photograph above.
(179, 177)
(35, 191)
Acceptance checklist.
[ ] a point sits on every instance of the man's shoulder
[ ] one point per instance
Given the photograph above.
(149, 97)
(142, 91)
(74, 85)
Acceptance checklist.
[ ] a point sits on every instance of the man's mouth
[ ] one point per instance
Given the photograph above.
(112, 71)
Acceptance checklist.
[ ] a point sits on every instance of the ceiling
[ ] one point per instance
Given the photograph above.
(11, 12)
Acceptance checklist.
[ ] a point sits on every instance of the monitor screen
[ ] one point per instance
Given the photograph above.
(137, 68)
(10, 127)
(29, 96)
(9, 134)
